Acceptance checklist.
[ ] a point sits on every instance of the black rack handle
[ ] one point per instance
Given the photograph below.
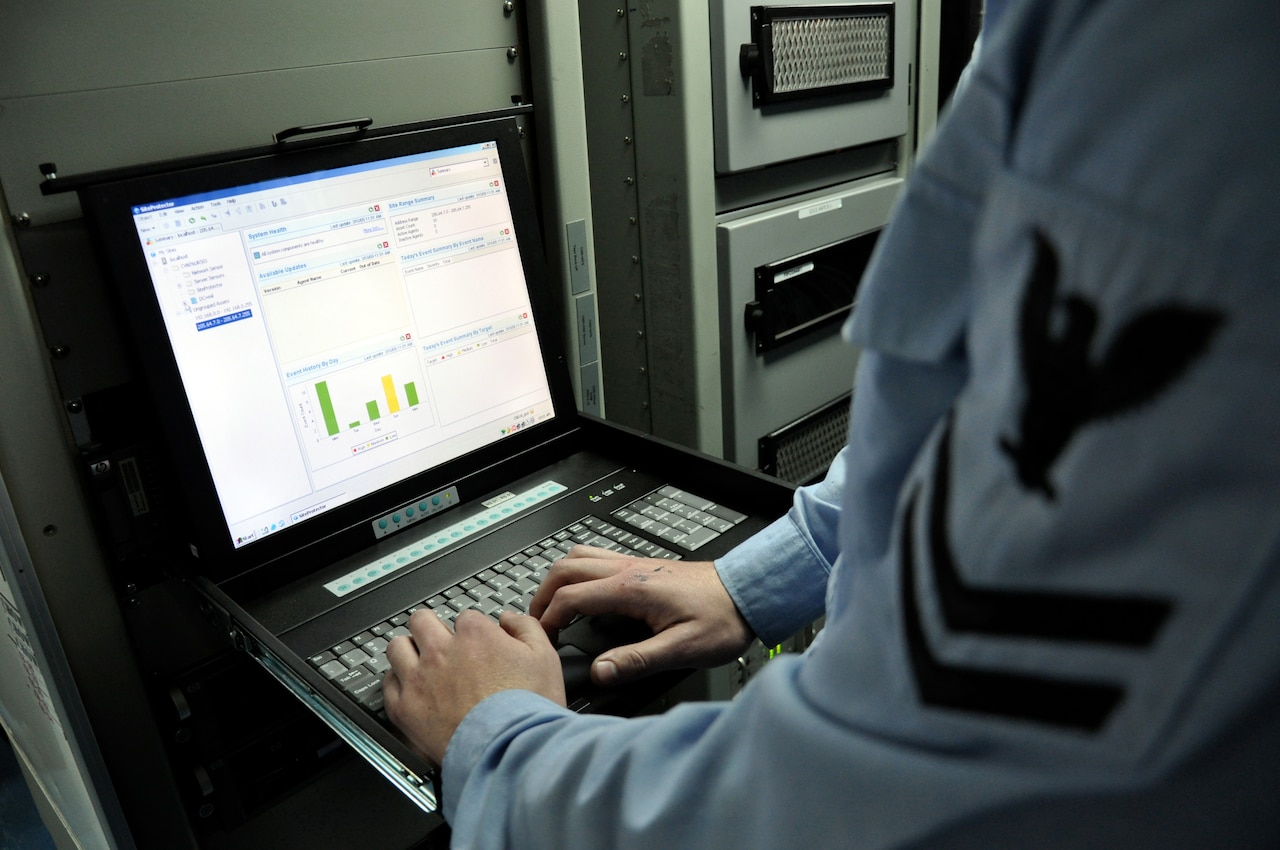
(355, 125)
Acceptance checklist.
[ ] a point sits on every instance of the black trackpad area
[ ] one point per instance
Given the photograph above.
(594, 635)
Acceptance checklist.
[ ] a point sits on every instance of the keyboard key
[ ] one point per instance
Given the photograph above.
(353, 679)
(724, 513)
(354, 658)
(333, 669)
(687, 526)
(488, 606)
(697, 538)
(375, 647)
(362, 638)
(379, 665)
(322, 659)
(506, 595)
(498, 582)
(716, 524)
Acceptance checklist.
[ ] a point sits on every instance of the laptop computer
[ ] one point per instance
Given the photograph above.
(352, 351)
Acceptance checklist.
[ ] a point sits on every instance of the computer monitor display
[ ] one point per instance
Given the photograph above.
(339, 330)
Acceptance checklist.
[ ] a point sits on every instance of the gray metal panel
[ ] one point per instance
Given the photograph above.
(71, 303)
(607, 88)
(746, 137)
(37, 465)
(90, 130)
(65, 47)
(765, 393)
(676, 200)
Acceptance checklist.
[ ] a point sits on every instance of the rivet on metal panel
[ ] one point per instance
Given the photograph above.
(50, 530)
(508, 7)
(39, 279)
(622, 13)
(626, 140)
(60, 352)
(75, 406)
(626, 98)
(635, 260)
(638, 297)
(622, 57)
(512, 53)
(629, 180)
(22, 220)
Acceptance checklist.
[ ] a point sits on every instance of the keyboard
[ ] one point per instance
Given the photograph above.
(682, 521)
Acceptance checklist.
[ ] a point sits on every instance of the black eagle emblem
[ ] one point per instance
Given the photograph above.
(1067, 387)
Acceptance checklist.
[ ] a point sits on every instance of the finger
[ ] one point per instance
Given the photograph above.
(609, 595)
(568, 571)
(627, 663)
(402, 651)
(523, 628)
(582, 550)
(469, 621)
(426, 628)
(391, 685)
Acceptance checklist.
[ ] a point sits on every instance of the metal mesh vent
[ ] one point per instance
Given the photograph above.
(811, 53)
(802, 452)
(801, 52)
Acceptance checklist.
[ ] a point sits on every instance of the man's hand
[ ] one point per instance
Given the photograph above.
(438, 676)
(694, 620)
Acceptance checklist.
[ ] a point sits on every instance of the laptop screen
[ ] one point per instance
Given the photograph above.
(342, 329)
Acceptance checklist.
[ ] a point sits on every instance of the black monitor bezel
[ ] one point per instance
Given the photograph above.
(107, 205)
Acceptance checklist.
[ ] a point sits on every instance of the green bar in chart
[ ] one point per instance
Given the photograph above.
(411, 392)
(326, 407)
(372, 407)
(355, 424)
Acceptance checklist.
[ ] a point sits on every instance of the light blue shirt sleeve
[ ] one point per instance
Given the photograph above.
(778, 578)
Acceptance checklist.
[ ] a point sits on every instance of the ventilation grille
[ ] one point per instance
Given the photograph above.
(810, 53)
(801, 452)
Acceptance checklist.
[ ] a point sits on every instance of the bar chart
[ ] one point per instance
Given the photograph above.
(388, 400)
(353, 408)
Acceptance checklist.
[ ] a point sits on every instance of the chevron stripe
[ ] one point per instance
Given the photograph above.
(1131, 622)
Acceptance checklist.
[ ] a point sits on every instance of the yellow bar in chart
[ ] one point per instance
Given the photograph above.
(388, 387)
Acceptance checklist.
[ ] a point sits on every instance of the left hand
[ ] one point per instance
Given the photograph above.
(437, 676)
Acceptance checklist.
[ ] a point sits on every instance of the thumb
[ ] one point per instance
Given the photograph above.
(633, 661)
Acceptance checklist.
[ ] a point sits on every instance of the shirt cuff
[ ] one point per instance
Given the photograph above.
(776, 580)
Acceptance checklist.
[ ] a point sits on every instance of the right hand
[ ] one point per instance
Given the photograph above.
(694, 620)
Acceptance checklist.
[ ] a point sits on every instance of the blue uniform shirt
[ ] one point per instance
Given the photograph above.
(1049, 557)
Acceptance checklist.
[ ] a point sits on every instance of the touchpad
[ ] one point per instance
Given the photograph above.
(594, 635)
